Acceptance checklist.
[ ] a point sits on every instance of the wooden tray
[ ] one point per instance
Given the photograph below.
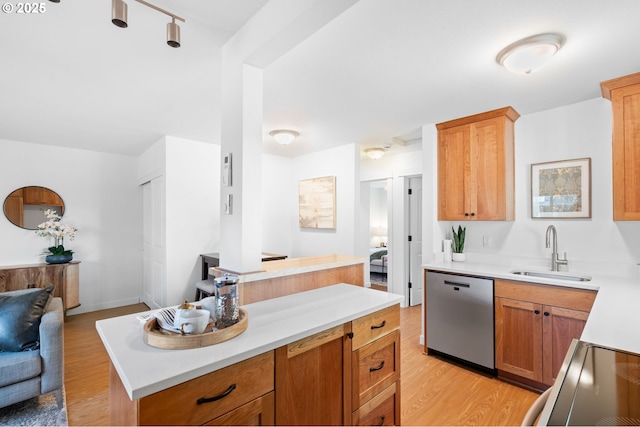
(155, 336)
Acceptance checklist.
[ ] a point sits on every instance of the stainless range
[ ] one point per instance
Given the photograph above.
(596, 386)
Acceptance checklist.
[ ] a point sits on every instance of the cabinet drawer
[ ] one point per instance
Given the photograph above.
(258, 412)
(368, 328)
(382, 410)
(557, 296)
(374, 367)
(233, 386)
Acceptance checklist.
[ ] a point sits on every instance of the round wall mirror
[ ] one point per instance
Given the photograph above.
(25, 207)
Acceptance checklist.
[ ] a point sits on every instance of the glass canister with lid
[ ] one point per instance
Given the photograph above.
(227, 306)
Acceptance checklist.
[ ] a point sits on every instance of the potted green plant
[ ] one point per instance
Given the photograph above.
(458, 243)
(57, 254)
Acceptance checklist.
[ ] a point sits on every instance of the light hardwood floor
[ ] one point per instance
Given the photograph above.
(434, 392)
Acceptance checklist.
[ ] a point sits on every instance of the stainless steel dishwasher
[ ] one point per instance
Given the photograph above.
(460, 321)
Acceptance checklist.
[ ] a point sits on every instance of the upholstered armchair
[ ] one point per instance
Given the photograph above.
(39, 368)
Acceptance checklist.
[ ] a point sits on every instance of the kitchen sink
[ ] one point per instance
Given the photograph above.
(553, 275)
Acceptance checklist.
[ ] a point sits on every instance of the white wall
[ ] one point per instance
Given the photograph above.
(595, 245)
(192, 187)
(343, 163)
(279, 204)
(101, 199)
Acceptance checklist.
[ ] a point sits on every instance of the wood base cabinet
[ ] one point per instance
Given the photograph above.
(534, 328)
(375, 368)
(313, 379)
(347, 375)
(65, 278)
(240, 394)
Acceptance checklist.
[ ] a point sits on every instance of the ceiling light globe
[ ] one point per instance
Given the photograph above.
(530, 54)
(374, 153)
(284, 136)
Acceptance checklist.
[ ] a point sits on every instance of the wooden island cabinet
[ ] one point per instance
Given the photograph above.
(534, 327)
(476, 167)
(347, 373)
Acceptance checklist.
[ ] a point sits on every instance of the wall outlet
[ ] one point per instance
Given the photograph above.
(486, 241)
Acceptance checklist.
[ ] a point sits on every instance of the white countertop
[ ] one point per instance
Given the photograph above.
(292, 266)
(273, 323)
(614, 317)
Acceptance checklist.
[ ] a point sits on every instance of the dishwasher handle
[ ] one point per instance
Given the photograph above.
(464, 285)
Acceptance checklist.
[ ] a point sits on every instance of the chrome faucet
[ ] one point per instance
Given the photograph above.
(555, 261)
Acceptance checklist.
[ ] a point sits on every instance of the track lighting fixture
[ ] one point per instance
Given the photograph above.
(173, 34)
(119, 19)
(119, 13)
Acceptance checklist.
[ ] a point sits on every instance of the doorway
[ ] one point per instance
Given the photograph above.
(414, 241)
(379, 234)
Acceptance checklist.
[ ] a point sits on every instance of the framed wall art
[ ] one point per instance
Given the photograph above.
(317, 202)
(561, 189)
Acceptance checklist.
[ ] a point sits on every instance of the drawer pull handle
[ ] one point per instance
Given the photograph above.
(218, 397)
(350, 335)
(377, 368)
(381, 420)
(381, 325)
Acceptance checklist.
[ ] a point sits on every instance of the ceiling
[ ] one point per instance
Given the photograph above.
(375, 74)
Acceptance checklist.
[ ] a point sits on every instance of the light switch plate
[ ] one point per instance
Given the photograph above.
(228, 204)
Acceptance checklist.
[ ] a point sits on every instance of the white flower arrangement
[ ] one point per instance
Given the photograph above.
(53, 228)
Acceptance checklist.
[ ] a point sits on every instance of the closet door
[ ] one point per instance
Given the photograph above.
(153, 237)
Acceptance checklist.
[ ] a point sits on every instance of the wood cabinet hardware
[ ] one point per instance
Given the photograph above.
(377, 368)
(382, 325)
(218, 397)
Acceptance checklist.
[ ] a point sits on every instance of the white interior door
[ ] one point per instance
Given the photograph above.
(414, 257)
(153, 249)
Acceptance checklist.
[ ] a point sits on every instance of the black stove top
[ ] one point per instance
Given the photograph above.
(601, 387)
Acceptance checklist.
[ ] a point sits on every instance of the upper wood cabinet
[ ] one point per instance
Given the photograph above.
(476, 167)
(624, 93)
(40, 196)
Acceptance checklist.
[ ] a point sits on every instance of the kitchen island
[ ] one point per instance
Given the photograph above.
(287, 276)
(140, 373)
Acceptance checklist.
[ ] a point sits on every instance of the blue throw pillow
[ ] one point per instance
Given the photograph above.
(20, 319)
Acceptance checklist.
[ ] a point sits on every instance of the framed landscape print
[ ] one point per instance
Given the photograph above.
(317, 202)
(561, 189)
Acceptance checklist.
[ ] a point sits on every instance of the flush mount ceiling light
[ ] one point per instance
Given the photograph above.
(529, 54)
(375, 153)
(284, 136)
(119, 19)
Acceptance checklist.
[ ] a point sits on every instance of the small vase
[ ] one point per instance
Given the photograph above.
(459, 257)
(58, 259)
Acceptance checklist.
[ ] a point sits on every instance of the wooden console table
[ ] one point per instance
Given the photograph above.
(65, 278)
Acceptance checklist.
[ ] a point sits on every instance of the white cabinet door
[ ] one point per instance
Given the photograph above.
(153, 236)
